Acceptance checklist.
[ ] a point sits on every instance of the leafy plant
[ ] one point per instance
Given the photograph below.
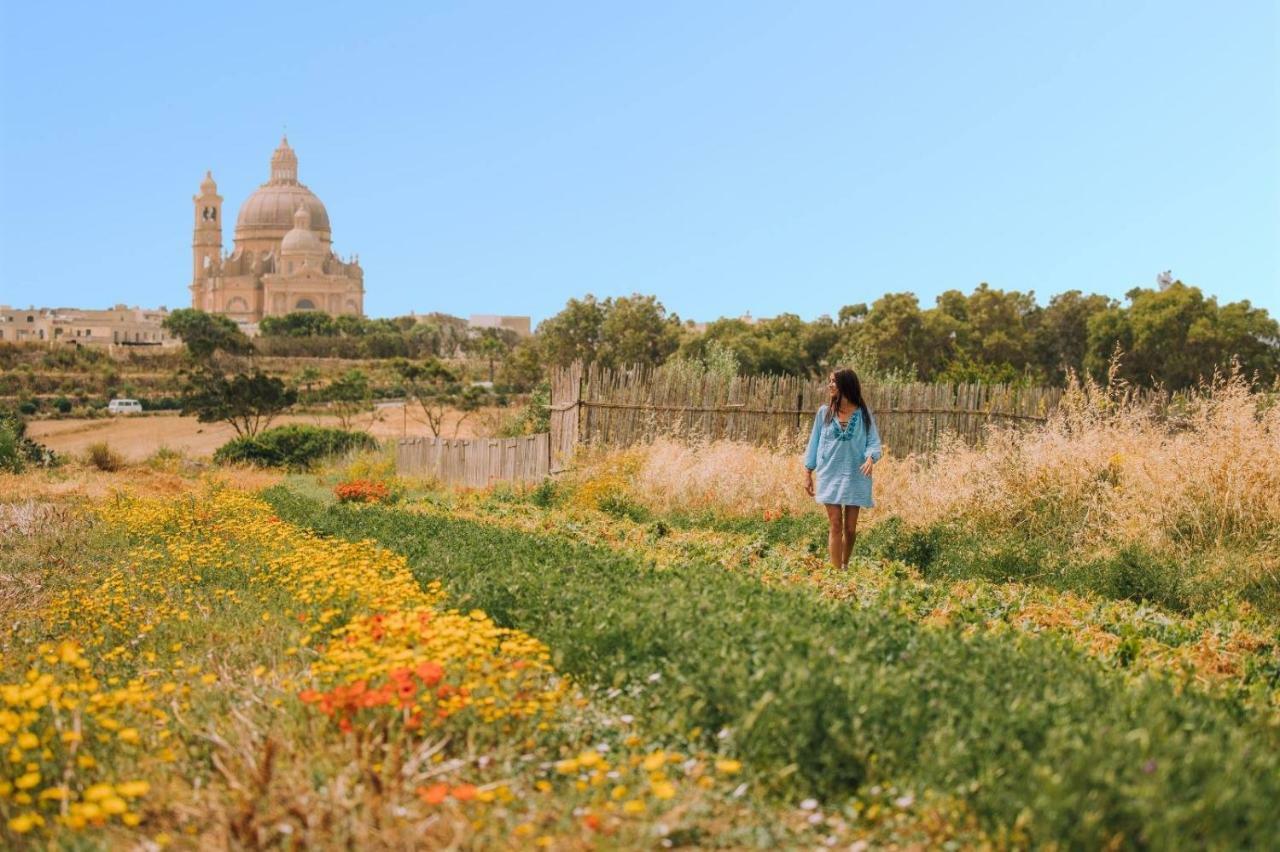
(247, 401)
(822, 698)
(295, 446)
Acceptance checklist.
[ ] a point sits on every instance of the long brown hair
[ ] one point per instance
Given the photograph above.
(850, 389)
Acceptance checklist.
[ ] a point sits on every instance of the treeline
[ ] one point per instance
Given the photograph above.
(1171, 336)
(318, 335)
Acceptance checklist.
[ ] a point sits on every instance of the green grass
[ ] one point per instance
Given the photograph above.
(825, 699)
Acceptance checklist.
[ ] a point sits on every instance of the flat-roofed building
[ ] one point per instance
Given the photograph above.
(520, 325)
(120, 325)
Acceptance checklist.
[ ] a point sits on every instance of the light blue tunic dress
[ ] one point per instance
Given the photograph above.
(837, 454)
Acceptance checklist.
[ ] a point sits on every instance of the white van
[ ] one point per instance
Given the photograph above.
(124, 406)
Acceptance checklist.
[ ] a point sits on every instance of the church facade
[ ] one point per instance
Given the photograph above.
(283, 260)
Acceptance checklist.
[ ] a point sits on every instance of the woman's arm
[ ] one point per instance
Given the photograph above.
(874, 450)
(811, 454)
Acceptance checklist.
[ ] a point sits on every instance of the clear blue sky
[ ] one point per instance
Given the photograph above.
(727, 157)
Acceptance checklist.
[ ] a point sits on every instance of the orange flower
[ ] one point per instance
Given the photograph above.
(430, 673)
(435, 794)
(464, 792)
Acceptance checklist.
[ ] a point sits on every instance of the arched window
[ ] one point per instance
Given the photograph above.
(238, 305)
(305, 305)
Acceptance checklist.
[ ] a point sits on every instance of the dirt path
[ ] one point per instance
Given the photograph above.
(138, 436)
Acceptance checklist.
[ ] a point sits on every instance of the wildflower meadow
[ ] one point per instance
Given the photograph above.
(626, 656)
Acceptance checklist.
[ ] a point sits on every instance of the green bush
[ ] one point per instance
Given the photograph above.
(822, 698)
(17, 451)
(294, 447)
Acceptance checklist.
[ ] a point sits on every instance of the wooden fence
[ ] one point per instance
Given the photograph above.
(476, 462)
(622, 407)
(592, 404)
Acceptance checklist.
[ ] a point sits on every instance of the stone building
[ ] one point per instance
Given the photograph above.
(120, 326)
(520, 325)
(283, 260)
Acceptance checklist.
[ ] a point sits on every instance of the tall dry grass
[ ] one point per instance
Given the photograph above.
(1109, 469)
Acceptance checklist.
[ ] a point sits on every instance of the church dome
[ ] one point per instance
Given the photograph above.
(301, 240)
(269, 211)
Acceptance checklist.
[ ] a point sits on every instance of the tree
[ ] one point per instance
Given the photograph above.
(492, 344)
(348, 395)
(307, 377)
(574, 333)
(1176, 337)
(637, 330)
(895, 332)
(204, 333)
(524, 367)
(1061, 340)
(299, 324)
(248, 401)
(436, 389)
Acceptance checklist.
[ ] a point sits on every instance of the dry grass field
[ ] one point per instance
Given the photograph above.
(137, 437)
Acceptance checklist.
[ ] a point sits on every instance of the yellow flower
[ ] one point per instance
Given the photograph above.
(23, 823)
(98, 792)
(633, 806)
(27, 780)
(128, 735)
(133, 789)
(28, 740)
(567, 767)
(654, 761)
(728, 767)
(114, 805)
(664, 790)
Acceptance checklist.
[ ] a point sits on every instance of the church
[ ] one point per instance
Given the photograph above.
(283, 260)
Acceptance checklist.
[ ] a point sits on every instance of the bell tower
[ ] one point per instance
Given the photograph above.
(206, 244)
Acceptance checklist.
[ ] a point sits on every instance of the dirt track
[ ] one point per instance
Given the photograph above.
(138, 436)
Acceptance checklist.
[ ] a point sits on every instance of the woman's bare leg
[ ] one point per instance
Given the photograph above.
(835, 534)
(850, 532)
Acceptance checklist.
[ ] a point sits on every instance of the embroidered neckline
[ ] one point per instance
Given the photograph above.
(845, 432)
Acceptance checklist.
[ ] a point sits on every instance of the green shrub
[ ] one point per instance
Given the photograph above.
(823, 698)
(294, 447)
(17, 451)
(951, 550)
(101, 456)
(62, 404)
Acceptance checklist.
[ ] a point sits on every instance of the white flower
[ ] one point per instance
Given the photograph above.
(626, 718)
(655, 677)
(808, 804)
(739, 791)
(905, 802)
(859, 846)
(815, 818)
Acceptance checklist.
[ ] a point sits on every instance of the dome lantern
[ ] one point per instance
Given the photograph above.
(284, 164)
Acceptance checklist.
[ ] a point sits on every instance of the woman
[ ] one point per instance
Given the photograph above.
(843, 447)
